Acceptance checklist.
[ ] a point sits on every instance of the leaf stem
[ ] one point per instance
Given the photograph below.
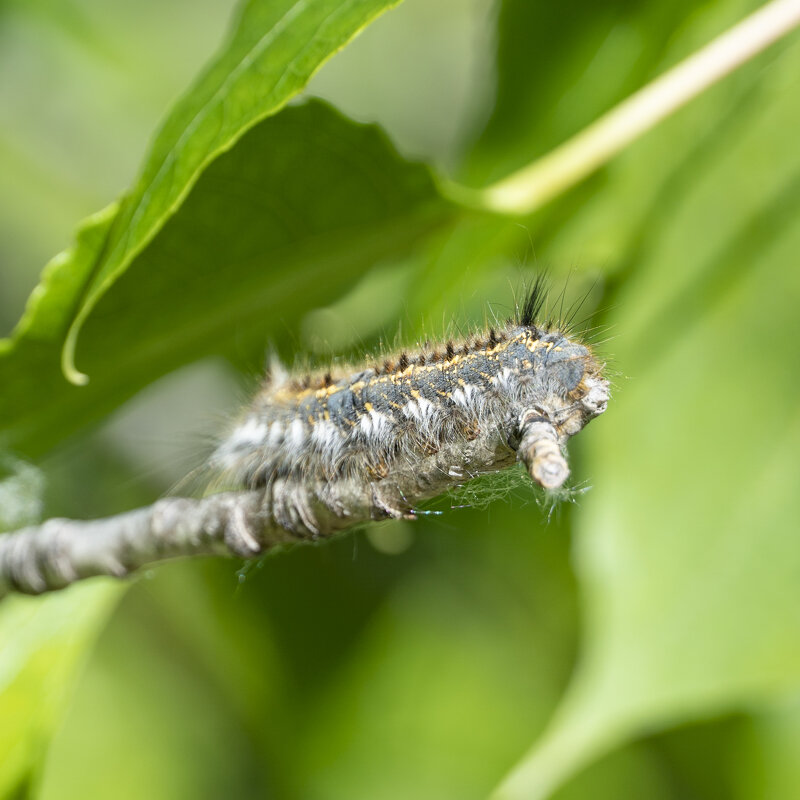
(531, 187)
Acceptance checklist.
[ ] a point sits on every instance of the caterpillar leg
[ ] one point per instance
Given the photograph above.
(391, 506)
(540, 451)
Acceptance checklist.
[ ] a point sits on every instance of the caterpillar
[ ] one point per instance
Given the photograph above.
(335, 448)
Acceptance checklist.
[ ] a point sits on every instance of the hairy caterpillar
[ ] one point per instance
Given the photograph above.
(333, 449)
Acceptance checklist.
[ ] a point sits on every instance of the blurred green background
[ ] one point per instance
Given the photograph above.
(645, 641)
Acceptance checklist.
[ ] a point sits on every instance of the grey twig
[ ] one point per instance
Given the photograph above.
(249, 523)
(61, 551)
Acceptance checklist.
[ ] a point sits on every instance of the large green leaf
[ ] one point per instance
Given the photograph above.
(288, 218)
(273, 51)
(688, 554)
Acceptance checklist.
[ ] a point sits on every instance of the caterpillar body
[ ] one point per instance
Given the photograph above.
(334, 449)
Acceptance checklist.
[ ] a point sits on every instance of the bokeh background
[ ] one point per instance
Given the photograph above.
(644, 639)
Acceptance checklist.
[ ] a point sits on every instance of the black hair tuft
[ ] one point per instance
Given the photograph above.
(534, 302)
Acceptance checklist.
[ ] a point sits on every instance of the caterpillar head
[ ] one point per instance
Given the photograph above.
(561, 379)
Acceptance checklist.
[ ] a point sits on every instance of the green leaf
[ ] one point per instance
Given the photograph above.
(290, 217)
(273, 52)
(688, 554)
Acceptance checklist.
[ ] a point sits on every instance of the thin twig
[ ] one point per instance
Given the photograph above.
(61, 551)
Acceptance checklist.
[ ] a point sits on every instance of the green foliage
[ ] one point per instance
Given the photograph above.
(42, 642)
(643, 644)
(301, 224)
